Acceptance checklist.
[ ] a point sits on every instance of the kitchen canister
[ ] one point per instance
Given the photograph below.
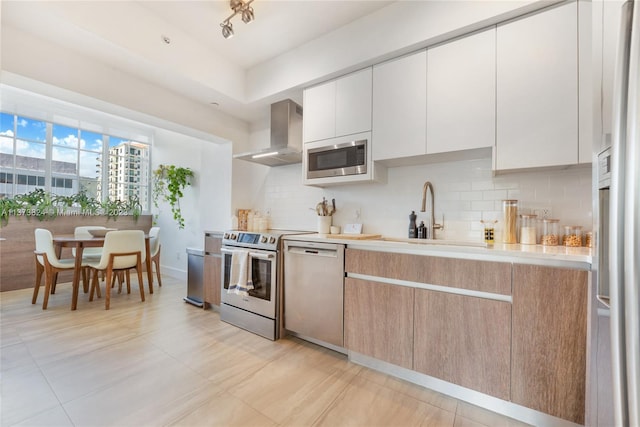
(510, 216)
(528, 229)
(550, 232)
(489, 230)
(572, 236)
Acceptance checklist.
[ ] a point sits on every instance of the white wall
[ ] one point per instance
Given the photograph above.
(206, 205)
(465, 192)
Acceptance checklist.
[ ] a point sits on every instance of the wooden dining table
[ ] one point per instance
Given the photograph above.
(79, 243)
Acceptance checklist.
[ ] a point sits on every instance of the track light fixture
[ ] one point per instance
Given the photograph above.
(227, 29)
(239, 7)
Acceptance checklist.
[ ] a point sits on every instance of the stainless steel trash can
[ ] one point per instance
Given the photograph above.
(195, 277)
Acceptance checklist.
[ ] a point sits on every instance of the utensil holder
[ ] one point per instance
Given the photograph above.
(324, 224)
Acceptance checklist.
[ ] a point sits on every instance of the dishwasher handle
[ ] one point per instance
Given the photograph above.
(325, 250)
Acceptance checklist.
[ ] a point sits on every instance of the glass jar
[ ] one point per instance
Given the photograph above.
(489, 230)
(588, 239)
(528, 229)
(510, 215)
(550, 232)
(572, 236)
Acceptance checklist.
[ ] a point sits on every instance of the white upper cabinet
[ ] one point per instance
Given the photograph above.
(399, 107)
(319, 112)
(461, 94)
(605, 32)
(353, 103)
(339, 107)
(537, 90)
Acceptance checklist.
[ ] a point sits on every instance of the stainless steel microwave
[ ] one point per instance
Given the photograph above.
(325, 159)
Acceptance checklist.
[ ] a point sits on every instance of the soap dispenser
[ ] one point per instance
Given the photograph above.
(413, 229)
(422, 231)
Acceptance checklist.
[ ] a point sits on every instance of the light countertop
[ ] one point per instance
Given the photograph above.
(552, 256)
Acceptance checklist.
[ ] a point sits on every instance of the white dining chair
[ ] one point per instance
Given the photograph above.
(122, 251)
(47, 263)
(88, 254)
(83, 232)
(154, 248)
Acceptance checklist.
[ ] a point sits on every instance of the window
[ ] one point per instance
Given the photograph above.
(76, 161)
(64, 160)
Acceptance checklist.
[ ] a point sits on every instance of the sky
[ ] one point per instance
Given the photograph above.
(31, 137)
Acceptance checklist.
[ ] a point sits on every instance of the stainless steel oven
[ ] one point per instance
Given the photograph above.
(259, 255)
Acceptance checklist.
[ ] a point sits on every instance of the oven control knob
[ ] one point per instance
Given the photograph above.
(226, 236)
(232, 236)
(263, 239)
(272, 240)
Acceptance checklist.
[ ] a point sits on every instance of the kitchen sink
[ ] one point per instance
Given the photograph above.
(435, 242)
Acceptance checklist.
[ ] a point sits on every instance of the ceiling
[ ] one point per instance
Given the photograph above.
(279, 26)
(132, 36)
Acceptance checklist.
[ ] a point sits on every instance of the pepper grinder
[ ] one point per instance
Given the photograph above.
(413, 229)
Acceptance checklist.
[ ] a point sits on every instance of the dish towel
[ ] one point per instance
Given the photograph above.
(239, 281)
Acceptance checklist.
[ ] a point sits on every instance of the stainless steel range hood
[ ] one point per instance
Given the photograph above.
(286, 137)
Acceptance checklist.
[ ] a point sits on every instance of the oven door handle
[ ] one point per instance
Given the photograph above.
(257, 255)
(260, 255)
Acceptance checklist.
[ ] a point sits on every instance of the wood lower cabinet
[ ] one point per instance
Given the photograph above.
(458, 325)
(484, 276)
(548, 367)
(212, 268)
(378, 320)
(464, 340)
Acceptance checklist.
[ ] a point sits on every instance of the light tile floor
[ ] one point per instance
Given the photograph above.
(165, 362)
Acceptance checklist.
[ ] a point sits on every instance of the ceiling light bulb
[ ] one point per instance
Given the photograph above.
(247, 15)
(227, 30)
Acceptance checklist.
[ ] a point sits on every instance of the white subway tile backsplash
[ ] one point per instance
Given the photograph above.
(482, 185)
(455, 186)
(483, 205)
(494, 195)
(471, 195)
(465, 193)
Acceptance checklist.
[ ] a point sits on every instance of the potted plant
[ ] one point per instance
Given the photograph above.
(46, 206)
(169, 181)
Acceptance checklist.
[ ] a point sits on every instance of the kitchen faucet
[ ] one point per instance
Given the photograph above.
(432, 227)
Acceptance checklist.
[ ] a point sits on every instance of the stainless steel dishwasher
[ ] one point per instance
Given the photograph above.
(314, 292)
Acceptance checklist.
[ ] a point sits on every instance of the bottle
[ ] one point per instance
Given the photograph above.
(510, 212)
(422, 231)
(413, 230)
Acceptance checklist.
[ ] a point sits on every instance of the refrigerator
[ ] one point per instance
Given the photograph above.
(619, 223)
